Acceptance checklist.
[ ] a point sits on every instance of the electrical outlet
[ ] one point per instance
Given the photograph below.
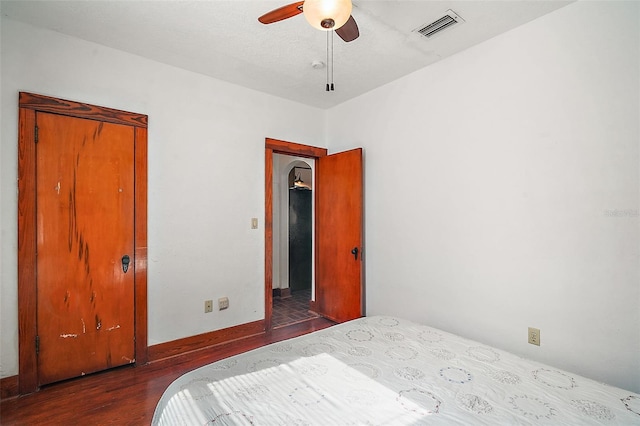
(208, 306)
(223, 303)
(534, 336)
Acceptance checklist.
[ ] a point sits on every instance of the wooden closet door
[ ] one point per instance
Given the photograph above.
(85, 227)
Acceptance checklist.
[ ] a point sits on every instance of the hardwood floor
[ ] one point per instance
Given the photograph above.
(128, 395)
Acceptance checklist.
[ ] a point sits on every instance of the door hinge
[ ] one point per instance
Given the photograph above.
(37, 345)
(36, 134)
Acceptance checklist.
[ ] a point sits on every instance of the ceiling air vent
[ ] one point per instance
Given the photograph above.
(448, 20)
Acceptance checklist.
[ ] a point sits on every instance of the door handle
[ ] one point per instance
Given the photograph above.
(354, 252)
(125, 263)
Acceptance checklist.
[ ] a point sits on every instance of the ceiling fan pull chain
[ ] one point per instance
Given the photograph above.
(330, 87)
(328, 62)
(332, 59)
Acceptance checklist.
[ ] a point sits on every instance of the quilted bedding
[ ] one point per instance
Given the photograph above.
(388, 371)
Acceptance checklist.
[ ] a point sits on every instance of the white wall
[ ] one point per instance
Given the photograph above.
(206, 175)
(502, 191)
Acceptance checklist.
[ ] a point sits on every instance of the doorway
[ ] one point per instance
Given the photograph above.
(338, 260)
(293, 239)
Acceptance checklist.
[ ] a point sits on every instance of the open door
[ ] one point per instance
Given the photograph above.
(339, 294)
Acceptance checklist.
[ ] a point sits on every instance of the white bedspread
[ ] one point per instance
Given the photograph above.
(388, 371)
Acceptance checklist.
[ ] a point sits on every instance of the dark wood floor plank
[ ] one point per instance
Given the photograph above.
(128, 395)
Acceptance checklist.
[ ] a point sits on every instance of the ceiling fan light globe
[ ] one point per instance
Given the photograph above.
(327, 15)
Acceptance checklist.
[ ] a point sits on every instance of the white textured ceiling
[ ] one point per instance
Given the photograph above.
(223, 39)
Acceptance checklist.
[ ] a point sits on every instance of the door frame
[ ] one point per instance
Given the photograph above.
(275, 146)
(29, 105)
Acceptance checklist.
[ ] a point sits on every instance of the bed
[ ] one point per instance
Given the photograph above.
(384, 371)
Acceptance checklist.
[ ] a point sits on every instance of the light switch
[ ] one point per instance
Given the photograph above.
(254, 223)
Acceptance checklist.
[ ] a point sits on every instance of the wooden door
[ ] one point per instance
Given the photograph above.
(46, 177)
(339, 235)
(85, 236)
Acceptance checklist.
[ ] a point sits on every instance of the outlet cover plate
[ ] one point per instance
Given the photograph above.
(223, 303)
(534, 336)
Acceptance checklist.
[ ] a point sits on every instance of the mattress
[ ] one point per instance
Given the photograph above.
(387, 371)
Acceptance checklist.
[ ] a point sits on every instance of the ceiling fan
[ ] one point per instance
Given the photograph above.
(326, 15)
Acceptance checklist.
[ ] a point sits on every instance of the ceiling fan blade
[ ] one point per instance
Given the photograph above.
(281, 13)
(349, 31)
